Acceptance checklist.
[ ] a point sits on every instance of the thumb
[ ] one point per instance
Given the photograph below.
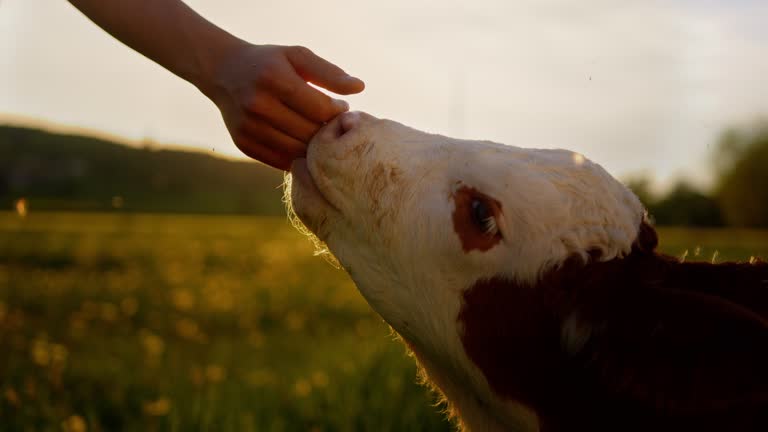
(323, 73)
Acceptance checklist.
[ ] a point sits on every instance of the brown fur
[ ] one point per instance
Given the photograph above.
(638, 343)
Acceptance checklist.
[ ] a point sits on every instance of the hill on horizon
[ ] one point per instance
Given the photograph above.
(56, 171)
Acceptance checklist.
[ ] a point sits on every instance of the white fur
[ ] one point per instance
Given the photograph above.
(383, 205)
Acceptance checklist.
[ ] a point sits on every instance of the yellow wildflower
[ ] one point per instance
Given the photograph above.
(215, 373)
(21, 207)
(157, 408)
(74, 423)
(302, 388)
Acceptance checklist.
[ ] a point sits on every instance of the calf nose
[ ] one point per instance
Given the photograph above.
(340, 139)
(348, 121)
(341, 125)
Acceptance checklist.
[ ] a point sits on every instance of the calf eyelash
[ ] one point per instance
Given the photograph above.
(491, 227)
(477, 219)
(483, 217)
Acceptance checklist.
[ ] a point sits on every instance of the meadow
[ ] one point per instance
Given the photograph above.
(131, 322)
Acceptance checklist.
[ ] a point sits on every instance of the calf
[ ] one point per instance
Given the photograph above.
(527, 284)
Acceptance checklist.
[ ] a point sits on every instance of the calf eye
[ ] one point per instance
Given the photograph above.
(482, 217)
(476, 218)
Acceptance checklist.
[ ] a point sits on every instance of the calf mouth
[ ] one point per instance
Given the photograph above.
(313, 200)
(305, 199)
(307, 208)
(314, 188)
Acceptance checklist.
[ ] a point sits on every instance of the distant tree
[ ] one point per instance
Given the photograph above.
(742, 176)
(641, 186)
(685, 205)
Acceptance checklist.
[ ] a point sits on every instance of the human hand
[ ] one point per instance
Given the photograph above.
(268, 107)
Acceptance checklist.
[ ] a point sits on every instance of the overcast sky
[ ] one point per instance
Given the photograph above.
(638, 86)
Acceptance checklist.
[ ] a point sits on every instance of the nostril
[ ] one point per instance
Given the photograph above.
(348, 121)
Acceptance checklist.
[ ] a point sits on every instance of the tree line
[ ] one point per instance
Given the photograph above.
(70, 172)
(738, 197)
(53, 171)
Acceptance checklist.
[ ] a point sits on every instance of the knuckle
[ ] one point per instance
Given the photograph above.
(274, 79)
(244, 144)
(253, 150)
(276, 161)
(248, 132)
(309, 133)
(288, 90)
(301, 51)
(241, 139)
(269, 75)
(326, 112)
(259, 103)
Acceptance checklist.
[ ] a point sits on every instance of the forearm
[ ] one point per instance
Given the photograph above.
(166, 31)
(262, 91)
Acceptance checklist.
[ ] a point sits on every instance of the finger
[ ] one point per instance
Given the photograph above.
(284, 119)
(276, 140)
(268, 145)
(322, 72)
(263, 154)
(310, 102)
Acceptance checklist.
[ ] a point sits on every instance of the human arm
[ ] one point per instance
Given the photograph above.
(261, 90)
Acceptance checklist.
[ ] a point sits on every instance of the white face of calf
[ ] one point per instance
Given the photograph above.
(416, 219)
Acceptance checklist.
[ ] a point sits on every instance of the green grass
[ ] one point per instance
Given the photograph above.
(207, 323)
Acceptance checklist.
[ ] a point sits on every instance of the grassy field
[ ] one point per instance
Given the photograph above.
(115, 322)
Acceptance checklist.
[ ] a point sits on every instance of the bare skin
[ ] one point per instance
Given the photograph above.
(261, 90)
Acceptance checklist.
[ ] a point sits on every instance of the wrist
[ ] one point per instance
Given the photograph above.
(209, 58)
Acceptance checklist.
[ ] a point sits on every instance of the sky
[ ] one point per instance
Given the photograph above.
(639, 86)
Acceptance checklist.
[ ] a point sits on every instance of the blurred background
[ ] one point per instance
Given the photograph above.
(149, 279)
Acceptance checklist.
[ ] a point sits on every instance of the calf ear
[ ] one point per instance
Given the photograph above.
(647, 239)
(671, 350)
(667, 337)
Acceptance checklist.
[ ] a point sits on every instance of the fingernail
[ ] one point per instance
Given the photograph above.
(341, 105)
(355, 80)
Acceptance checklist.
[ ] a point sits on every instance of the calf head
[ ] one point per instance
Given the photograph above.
(418, 219)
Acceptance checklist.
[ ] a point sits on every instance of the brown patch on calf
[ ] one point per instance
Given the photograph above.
(376, 182)
(658, 345)
(394, 174)
(358, 150)
(383, 179)
(472, 238)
